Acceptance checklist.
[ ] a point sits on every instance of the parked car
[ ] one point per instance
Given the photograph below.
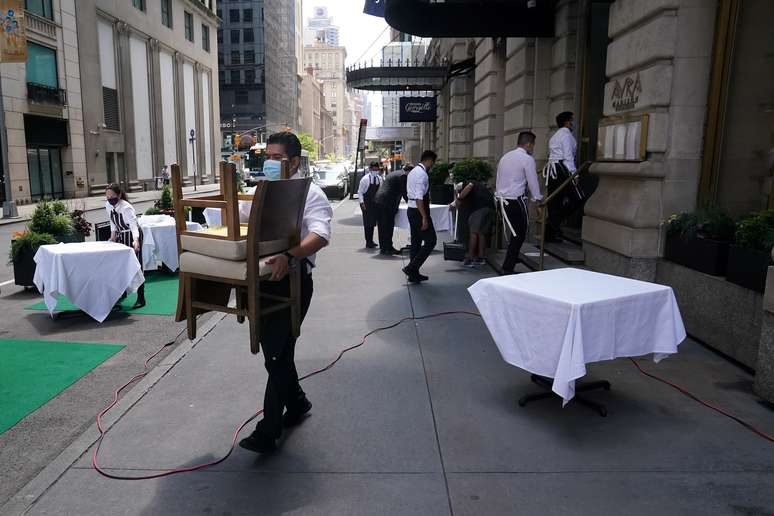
(332, 178)
(252, 177)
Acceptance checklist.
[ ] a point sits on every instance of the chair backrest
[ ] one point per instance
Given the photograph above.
(276, 215)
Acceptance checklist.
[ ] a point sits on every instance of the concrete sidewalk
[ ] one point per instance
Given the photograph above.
(98, 201)
(422, 420)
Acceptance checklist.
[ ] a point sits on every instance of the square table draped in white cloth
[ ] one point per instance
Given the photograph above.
(159, 240)
(438, 212)
(92, 275)
(553, 323)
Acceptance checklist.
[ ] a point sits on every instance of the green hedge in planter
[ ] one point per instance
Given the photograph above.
(439, 173)
(700, 239)
(749, 257)
(472, 170)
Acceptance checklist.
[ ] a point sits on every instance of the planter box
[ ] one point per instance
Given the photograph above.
(700, 254)
(24, 268)
(441, 194)
(748, 267)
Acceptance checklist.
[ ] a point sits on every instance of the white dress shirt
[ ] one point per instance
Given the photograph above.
(317, 215)
(365, 183)
(562, 147)
(122, 218)
(516, 173)
(417, 185)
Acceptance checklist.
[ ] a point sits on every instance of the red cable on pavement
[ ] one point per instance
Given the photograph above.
(239, 428)
(235, 435)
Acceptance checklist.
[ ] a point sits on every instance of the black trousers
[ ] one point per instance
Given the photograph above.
(518, 215)
(386, 221)
(125, 237)
(564, 204)
(278, 344)
(422, 242)
(370, 218)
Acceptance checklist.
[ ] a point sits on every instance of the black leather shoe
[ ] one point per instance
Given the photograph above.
(413, 277)
(296, 416)
(258, 443)
(371, 245)
(422, 277)
(138, 304)
(394, 251)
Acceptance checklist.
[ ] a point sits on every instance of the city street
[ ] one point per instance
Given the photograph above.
(420, 420)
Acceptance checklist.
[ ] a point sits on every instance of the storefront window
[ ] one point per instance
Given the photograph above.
(41, 65)
(44, 165)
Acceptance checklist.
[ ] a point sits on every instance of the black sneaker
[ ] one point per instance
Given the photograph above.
(296, 416)
(422, 277)
(258, 443)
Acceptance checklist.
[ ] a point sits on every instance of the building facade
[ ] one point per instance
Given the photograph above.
(153, 66)
(328, 65)
(44, 154)
(320, 29)
(673, 111)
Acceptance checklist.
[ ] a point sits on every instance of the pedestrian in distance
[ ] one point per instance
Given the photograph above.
(283, 392)
(366, 192)
(124, 229)
(388, 197)
(423, 237)
(516, 175)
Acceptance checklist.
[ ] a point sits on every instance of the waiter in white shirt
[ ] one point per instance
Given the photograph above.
(561, 165)
(516, 173)
(366, 192)
(283, 391)
(423, 236)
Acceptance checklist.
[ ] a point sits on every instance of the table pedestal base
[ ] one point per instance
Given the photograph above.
(579, 387)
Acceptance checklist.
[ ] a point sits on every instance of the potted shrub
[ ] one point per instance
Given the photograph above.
(440, 192)
(53, 218)
(164, 205)
(750, 254)
(472, 170)
(699, 240)
(24, 245)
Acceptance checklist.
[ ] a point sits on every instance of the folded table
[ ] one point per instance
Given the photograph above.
(553, 323)
(92, 275)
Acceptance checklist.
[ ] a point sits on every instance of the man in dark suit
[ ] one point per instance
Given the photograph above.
(387, 201)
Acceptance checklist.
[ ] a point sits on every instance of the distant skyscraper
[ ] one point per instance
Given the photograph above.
(320, 29)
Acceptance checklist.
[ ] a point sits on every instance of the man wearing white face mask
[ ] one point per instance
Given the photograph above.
(283, 392)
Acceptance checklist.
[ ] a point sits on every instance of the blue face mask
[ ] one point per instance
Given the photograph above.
(272, 169)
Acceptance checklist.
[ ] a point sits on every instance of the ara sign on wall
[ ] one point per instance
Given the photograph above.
(417, 109)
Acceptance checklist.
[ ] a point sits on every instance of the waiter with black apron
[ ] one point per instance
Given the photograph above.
(366, 192)
(124, 229)
(423, 236)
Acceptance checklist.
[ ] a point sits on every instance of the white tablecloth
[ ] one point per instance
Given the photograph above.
(92, 275)
(553, 323)
(438, 212)
(159, 240)
(212, 215)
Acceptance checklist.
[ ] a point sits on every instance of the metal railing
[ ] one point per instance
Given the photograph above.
(43, 94)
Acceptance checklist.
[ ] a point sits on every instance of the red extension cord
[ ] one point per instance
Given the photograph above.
(235, 435)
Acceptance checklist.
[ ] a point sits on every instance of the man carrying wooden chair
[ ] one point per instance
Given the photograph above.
(283, 392)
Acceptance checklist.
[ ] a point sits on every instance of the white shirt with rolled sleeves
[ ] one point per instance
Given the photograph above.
(417, 185)
(516, 173)
(317, 215)
(365, 183)
(562, 147)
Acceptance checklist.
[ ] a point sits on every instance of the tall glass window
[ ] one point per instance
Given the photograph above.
(40, 7)
(139, 4)
(205, 38)
(44, 165)
(188, 26)
(166, 13)
(41, 65)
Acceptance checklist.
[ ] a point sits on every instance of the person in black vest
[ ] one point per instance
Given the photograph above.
(387, 199)
(366, 192)
(124, 229)
(423, 236)
(476, 202)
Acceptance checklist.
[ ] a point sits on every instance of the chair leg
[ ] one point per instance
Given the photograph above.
(181, 293)
(254, 316)
(240, 304)
(295, 303)
(189, 311)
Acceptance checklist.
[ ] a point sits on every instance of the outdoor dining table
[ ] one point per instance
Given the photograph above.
(440, 213)
(553, 323)
(92, 275)
(159, 240)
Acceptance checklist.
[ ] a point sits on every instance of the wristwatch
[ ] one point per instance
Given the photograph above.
(292, 260)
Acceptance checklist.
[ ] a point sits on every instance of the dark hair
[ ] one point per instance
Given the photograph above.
(526, 137)
(408, 167)
(563, 117)
(374, 164)
(116, 189)
(289, 142)
(428, 154)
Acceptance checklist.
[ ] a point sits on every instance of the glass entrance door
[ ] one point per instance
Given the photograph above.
(44, 166)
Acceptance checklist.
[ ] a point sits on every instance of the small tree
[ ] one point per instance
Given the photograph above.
(308, 143)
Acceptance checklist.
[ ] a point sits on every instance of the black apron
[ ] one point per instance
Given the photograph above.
(370, 216)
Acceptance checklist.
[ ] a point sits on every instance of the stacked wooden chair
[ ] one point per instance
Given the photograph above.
(216, 261)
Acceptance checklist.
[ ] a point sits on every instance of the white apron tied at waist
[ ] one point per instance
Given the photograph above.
(502, 202)
(549, 171)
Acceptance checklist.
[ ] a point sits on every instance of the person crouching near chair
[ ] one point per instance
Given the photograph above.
(366, 192)
(478, 203)
(283, 392)
(124, 229)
